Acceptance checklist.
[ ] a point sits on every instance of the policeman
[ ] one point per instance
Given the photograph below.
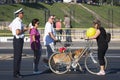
(18, 29)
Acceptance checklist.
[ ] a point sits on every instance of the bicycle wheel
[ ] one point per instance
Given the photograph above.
(59, 63)
(92, 64)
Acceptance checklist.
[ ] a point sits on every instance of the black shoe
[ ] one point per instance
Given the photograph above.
(18, 76)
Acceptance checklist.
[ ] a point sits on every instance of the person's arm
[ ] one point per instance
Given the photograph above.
(96, 34)
(52, 36)
(33, 38)
(18, 31)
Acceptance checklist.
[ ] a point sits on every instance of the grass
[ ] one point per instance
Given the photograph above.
(105, 12)
(80, 17)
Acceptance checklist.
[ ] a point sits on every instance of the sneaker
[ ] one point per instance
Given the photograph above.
(37, 72)
(101, 73)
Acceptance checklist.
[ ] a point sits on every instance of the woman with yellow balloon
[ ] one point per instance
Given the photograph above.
(99, 34)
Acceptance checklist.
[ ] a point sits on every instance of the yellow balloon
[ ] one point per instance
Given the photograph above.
(90, 32)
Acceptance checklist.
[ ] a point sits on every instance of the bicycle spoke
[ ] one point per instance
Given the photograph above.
(59, 65)
(91, 63)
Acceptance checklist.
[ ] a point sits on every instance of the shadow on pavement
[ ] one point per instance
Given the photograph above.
(113, 70)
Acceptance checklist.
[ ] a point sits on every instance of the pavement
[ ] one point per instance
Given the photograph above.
(6, 64)
(6, 70)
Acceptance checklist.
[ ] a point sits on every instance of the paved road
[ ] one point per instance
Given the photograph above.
(113, 44)
(113, 69)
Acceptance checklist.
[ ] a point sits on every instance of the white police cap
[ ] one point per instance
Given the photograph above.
(19, 10)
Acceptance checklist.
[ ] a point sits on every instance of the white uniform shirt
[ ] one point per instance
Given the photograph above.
(47, 39)
(17, 24)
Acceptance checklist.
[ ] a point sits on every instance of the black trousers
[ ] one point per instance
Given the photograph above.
(18, 47)
(101, 53)
(68, 35)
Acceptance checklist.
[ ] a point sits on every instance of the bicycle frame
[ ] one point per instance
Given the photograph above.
(85, 49)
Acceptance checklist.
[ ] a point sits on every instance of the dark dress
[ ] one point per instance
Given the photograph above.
(102, 45)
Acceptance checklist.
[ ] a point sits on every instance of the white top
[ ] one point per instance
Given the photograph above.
(30, 25)
(48, 28)
(17, 24)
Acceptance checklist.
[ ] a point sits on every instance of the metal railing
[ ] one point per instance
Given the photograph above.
(76, 34)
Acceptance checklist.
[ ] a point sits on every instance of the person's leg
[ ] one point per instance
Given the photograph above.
(18, 46)
(60, 32)
(67, 35)
(57, 34)
(37, 55)
(50, 50)
(36, 60)
(101, 54)
(15, 70)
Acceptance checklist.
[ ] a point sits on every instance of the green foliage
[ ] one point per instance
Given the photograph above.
(80, 17)
(107, 12)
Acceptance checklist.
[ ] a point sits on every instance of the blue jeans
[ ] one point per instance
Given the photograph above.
(50, 50)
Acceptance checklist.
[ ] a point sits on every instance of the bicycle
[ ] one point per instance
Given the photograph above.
(61, 63)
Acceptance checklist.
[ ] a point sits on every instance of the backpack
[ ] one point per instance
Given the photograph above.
(108, 37)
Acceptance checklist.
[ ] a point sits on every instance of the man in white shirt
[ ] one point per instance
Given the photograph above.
(49, 37)
(18, 30)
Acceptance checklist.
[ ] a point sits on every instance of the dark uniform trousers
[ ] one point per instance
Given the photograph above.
(18, 47)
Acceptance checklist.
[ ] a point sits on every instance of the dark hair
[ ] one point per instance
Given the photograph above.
(96, 21)
(34, 21)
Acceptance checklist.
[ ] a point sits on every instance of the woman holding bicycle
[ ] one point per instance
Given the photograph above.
(102, 44)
